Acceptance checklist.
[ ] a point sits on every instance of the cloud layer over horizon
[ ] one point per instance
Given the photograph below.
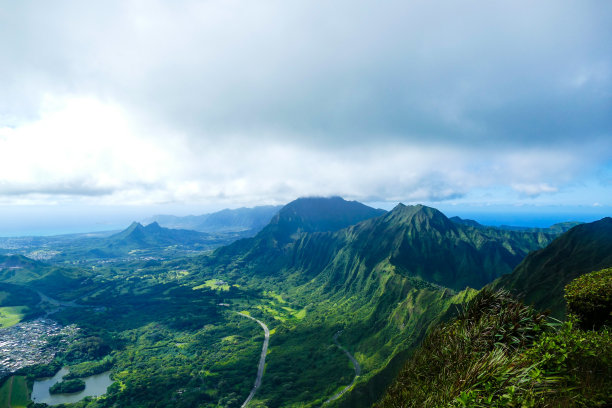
(246, 103)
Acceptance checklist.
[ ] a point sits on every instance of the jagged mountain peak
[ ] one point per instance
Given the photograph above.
(418, 216)
(134, 225)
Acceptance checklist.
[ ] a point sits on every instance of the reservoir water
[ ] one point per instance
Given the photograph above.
(95, 386)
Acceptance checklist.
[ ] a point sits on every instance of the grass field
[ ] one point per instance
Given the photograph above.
(215, 284)
(19, 396)
(10, 315)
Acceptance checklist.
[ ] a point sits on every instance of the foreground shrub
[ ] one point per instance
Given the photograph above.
(580, 361)
(499, 353)
(589, 297)
(473, 353)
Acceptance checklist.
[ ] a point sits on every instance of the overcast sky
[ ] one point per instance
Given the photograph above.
(222, 103)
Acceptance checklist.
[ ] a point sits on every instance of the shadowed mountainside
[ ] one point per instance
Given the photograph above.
(542, 275)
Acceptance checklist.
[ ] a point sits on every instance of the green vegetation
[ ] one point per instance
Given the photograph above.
(67, 386)
(61, 282)
(169, 345)
(500, 353)
(215, 284)
(15, 295)
(12, 315)
(14, 393)
(88, 368)
(590, 298)
(384, 282)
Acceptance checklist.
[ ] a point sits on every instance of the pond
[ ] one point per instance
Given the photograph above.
(95, 386)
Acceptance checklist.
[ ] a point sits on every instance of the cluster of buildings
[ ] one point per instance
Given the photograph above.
(27, 343)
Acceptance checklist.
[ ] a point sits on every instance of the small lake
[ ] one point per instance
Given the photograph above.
(95, 386)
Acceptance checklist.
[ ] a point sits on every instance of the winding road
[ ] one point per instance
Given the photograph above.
(262, 359)
(355, 366)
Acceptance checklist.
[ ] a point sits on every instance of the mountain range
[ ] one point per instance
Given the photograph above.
(322, 270)
(388, 277)
(247, 221)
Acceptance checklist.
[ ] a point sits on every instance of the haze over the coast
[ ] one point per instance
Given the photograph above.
(118, 110)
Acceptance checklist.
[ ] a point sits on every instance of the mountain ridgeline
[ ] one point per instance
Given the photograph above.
(558, 228)
(248, 221)
(137, 236)
(417, 241)
(135, 242)
(540, 278)
(323, 272)
(382, 277)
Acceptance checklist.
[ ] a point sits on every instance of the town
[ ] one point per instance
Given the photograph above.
(27, 343)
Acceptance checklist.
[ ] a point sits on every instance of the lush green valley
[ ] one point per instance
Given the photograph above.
(169, 331)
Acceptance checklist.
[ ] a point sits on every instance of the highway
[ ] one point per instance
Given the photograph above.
(262, 359)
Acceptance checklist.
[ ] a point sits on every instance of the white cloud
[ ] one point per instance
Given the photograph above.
(82, 149)
(534, 190)
(249, 102)
(78, 146)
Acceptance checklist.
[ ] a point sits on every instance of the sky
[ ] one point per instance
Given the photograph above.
(122, 109)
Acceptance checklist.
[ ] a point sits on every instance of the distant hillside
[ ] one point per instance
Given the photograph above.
(135, 242)
(137, 236)
(53, 280)
(248, 221)
(558, 228)
(464, 221)
(143, 241)
(301, 216)
(541, 277)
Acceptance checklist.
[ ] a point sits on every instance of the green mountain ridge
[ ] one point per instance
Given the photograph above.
(541, 276)
(54, 280)
(418, 241)
(383, 280)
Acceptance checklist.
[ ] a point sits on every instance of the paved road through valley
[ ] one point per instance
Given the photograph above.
(355, 366)
(262, 360)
